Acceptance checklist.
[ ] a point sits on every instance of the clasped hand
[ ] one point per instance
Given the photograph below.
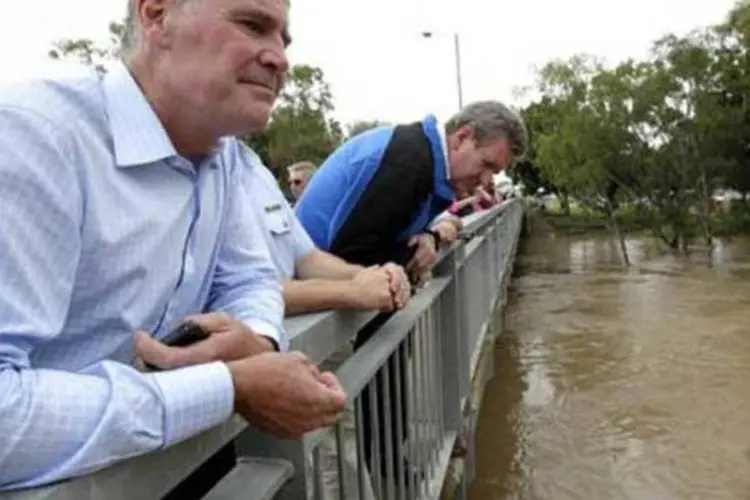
(283, 394)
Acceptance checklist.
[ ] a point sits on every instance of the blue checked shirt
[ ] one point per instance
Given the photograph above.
(105, 229)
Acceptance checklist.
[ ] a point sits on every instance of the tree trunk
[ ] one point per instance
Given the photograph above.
(704, 215)
(657, 231)
(684, 246)
(619, 235)
(565, 203)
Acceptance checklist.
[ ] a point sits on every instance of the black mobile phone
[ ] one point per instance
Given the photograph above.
(185, 334)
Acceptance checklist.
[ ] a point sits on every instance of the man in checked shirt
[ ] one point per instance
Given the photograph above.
(121, 217)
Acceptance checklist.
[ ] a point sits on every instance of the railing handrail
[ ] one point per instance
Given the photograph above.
(317, 334)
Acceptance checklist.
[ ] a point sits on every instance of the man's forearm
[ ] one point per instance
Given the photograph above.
(322, 265)
(302, 296)
(56, 425)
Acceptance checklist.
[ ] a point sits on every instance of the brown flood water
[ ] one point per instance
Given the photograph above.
(615, 384)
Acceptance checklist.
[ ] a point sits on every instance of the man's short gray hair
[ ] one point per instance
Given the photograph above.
(131, 32)
(491, 120)
(132, 29)
(306, 167)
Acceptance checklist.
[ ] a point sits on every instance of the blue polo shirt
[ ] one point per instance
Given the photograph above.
(393, 180)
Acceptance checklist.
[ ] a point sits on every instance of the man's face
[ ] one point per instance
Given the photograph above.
(297, 183)
(226, 58)
(470, 165)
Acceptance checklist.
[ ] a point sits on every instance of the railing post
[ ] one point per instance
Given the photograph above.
(452, 324)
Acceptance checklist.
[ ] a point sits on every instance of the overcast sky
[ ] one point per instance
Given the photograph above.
(374, 56)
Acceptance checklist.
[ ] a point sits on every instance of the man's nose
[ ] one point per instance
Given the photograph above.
(276, 59)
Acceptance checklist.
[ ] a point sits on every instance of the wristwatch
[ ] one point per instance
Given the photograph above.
(436, 236)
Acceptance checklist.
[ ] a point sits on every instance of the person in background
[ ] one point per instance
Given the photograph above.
(374, 199)
(300, 174)
(311, 278)
(314, 280)
(122, 217)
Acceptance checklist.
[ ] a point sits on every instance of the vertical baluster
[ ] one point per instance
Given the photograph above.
(358, 426)
(441, 369)
(414, 463)
(389, 437)
(435, 384)
(398, 361)
(375, 437)
(424, 409)
(317, 474)
(427, 387)
(341, 452)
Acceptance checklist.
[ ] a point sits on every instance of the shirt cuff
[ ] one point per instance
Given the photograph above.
(196, 398)
(268, 330)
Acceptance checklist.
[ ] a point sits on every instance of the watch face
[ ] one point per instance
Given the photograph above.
(435, 236)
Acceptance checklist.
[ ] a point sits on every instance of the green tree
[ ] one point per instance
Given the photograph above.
(581, 145)
(360, 126)
(732, 95)
(301, 126)
(89, 53)
(540, 117)
(661, 135)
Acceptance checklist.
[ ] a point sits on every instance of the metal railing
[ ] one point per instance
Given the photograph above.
(408, 387)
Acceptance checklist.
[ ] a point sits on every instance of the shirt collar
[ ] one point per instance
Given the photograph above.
(444, 144)
(436, 134)
(137, 133)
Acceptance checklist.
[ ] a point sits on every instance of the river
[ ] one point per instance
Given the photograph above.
(615, 384)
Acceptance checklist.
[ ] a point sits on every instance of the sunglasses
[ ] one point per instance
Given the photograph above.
(295, 182)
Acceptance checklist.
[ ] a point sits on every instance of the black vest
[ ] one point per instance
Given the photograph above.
(393, 197)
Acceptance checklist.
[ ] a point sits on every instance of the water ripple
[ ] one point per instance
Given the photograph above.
(617, 384)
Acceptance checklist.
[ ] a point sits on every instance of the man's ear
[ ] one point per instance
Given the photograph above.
(154, 16)
(462, 134)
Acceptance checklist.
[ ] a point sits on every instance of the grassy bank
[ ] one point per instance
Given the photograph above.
(723, 224)
(582, 223)
(731, 224)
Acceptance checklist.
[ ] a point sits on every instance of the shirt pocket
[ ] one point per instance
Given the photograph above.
(278, 223)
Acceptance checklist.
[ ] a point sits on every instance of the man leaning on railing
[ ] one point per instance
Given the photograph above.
(122, 213)
(375, 198)
(313, 279)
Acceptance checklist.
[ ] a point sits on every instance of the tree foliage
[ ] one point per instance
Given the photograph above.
(360, 126)
(661, 135)
(301, 126)
(87, 51)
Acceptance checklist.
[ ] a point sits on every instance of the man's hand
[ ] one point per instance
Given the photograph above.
(228, 339)
(371, 289)
(285, 395)
(448, 228)
(400, 286)
(424, 258)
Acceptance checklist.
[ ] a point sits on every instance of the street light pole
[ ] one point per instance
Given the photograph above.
(458, 71)
(457, 50)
